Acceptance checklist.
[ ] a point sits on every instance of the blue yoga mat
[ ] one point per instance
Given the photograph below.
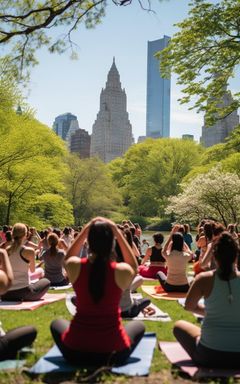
(7, 365)
(138, 363)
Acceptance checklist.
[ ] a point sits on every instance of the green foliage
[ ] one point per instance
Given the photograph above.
(233, 141)
(232, 164)
(26, 26)
(142, 221)
(90, 189)
(150, 172)
(31, 168)
(204, 53)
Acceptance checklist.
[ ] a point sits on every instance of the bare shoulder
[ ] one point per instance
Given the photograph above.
(204, 282)
(28, 251)
(123, 267)
(124, 274)
(73, 267)
(73, 261)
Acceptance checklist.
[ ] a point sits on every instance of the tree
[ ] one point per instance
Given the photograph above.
(205, 55)
(31, 168)
(214, 194)
(150, 172)
(26, 25)
(90, 190)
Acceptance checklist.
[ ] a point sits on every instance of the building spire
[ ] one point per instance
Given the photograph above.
(113, 79)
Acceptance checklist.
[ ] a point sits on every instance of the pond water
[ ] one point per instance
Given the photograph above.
(148, 236)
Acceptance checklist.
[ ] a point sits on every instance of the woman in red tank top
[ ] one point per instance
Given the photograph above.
(96, 335)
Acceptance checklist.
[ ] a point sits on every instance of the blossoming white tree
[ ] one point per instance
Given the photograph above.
(214, 194)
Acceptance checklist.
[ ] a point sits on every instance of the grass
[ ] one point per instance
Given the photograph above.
(42, 317)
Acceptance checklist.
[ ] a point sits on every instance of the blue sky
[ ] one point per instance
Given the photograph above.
(59, 84)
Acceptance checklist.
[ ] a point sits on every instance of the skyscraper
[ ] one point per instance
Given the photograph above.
(158, 93)
(112, 131)
(80, 143)
(218, 132)
(62, 124)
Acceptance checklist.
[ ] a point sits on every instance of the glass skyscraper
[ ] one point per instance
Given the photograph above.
(158, 93)
(62, 124)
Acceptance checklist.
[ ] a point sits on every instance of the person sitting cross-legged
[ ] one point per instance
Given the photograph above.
(96, 335)
(14, 340)
(22, 261)
(217, 343)
(177, 260)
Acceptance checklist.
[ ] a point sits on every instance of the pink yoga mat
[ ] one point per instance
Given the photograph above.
(179, 357)
(48, 298)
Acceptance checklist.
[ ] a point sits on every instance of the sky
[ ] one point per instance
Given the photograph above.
(60, 84)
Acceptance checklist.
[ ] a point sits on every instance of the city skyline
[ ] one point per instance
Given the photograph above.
(59, 85)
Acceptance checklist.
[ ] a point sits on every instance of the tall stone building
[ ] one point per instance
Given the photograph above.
(80, 143)
(112, 131)
(222, 128)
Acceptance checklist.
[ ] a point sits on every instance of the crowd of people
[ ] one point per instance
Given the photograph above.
(105, 263)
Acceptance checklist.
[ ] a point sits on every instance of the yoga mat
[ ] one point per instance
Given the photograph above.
(150, 290)
(48, 298)
(180, 358)
(138, 364)
(157, 316)
(59, 288)
(199, 317)
(10, 365)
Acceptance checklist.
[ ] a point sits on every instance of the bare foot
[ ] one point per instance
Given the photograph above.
(149, 311)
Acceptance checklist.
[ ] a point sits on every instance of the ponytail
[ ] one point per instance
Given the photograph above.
(18, 232)
(53, 240)
(226, 252)
(97, 277)
(100, 240)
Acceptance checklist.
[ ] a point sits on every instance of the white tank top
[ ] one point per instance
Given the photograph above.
(20, 267)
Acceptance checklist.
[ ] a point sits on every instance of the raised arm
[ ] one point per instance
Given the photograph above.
(127, 253)
(6, 274)
(166, 246)
(195, 293)
(77, 244)
(147, 255)
(207, 257)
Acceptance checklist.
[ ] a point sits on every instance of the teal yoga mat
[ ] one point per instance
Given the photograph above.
(138, 364)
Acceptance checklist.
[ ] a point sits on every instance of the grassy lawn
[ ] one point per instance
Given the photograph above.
(43, 316)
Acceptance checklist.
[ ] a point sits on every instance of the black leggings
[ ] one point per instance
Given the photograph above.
(15, 340)
(134, 329)
(136, 308)
(170, 287)
(31, 293)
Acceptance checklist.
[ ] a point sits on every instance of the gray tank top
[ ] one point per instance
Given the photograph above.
(20, 267)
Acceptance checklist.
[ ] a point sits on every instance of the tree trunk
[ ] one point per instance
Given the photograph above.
(7, 221)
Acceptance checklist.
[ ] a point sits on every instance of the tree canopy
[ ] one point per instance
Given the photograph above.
(204, 54)
(26, 25)
(150, 172)
(89, 189)
(31, 168)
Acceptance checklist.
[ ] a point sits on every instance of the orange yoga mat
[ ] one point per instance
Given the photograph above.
(157, 292)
